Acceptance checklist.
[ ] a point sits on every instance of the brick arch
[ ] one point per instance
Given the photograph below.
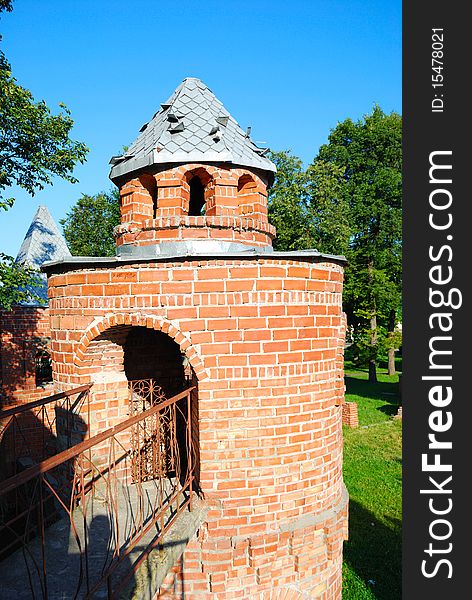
(256, 184)
(139, 320)
(207, 181)
(198, 171)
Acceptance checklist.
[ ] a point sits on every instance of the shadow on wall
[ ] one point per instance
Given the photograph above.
(26, 439)
(24, 346)
(37, 511)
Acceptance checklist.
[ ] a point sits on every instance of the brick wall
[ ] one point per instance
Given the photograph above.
(155, 208)
(265, 339)
(20, 329)
(301, 562)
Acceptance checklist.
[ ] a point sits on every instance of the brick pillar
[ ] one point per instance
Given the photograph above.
(350, 416)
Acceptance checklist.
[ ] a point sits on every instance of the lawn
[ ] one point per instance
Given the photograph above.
(372, 473)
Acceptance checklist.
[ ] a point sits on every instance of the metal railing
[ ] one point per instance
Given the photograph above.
(39, 429)
(96, 510)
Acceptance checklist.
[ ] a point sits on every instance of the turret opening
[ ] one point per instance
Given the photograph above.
(197, 197)
(150, 185)
(247, 194)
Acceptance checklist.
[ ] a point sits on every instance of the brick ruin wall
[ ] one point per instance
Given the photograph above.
(350, 416)
(20, 330)
(265, 340)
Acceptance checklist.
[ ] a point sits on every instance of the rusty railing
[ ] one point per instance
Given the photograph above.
(34, 431)
(97, 509)
(30, 433)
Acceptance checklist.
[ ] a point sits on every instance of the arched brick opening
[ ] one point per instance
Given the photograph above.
(200, 187)
(196, 205)
(150, 186)
(151, 354)
(137, 319)
(124, 353)
(248, 195)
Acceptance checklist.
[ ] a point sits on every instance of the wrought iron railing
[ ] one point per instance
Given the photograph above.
(96, 510)
(29, 434)
(33, 431)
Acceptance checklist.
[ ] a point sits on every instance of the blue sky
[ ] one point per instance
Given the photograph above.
(290, 70)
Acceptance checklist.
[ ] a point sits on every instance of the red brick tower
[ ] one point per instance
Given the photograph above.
(196, 282)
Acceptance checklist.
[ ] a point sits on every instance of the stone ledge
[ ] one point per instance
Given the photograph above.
(326, 515)
(217, 221)
(152, 572)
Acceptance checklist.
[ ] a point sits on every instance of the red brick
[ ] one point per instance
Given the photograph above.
(269, 379)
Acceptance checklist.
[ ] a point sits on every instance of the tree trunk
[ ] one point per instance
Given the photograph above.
(391, 361)
(373, 354)
(372, 371)
(391, 351)
(373, 334)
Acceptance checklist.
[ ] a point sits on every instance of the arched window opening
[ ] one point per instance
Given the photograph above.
(246, 185)
(197, 197)
(247, 194)
(150, 354)
(156, 370)
(140, 367)
(43, 367)
(149, 183)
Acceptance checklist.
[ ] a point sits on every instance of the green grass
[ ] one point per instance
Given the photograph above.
(375, 402)
(372, 473)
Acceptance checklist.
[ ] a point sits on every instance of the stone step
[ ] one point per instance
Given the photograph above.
(104, 527)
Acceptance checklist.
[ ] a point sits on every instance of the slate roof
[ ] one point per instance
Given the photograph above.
(191, 126)
(43, 242)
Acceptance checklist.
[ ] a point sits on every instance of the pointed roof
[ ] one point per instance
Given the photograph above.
(43, 242)
(191, 126)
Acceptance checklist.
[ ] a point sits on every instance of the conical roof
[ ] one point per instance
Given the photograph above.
(43, 242)
(191, 126)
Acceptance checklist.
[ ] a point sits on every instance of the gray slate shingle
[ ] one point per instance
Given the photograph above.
(197, 109)
(43, 242)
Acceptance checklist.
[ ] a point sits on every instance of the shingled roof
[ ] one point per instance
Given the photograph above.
(191, 126)
(43, 242)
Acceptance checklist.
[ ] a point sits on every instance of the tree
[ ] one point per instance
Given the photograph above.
(289, 203)
(88, 227)
(34, 144)
(34, 147)
(17, 282)
(329, 210)
(370, 153)
(308, 207)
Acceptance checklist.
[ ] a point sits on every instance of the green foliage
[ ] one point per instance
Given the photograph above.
(17, 282)
(307, 207)
(329, 211)
(289, 203)
(34, 144)
(394, 340)
(88, 227)
(370, 152)
(6, 5)
(34, 147)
